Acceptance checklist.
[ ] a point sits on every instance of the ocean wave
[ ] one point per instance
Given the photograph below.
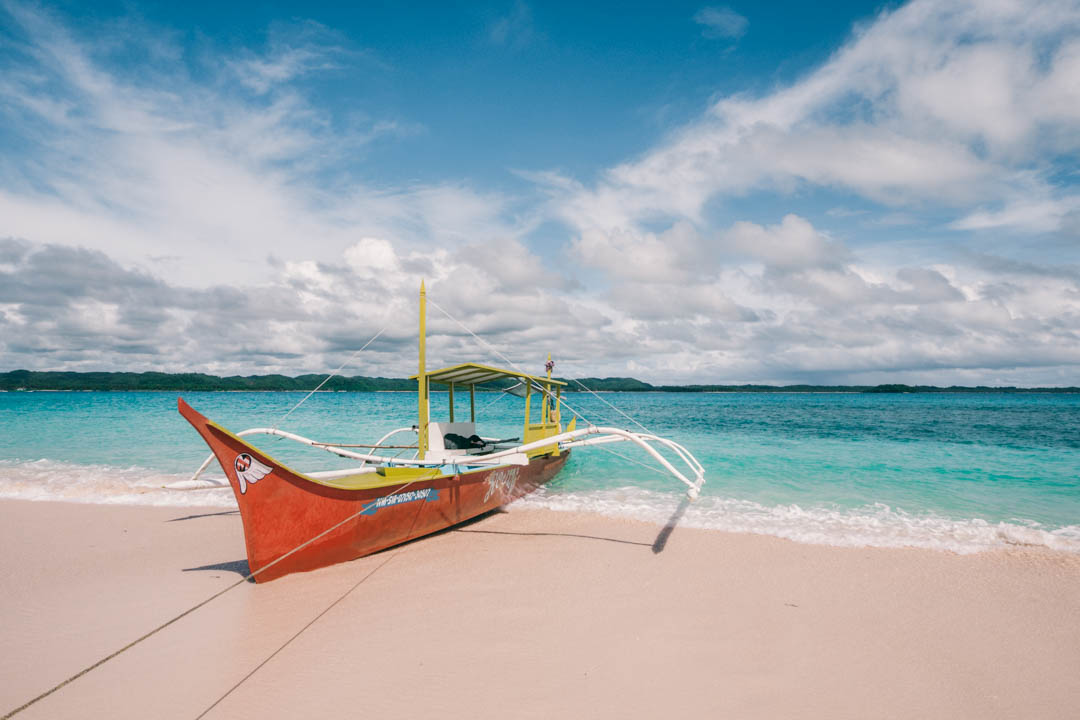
(106, 485)
(876, 525)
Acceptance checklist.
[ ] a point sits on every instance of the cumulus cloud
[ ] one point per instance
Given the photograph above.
(79, 308)
(958, 107)
(964, 104)
(787, 301)
(793, 244)
(180, 218)
(676, 254)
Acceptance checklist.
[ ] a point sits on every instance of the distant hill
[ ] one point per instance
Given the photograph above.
(125, 381)
(618, 384)
(29, 380)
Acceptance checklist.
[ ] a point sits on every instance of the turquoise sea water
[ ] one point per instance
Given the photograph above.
(954, 471)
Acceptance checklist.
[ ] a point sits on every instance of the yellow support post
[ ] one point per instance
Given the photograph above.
(528, 402)
(422, 381)
(472, 403)
(451, 402)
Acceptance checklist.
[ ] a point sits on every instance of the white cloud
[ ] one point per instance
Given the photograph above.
(674, 255)
(514, 29)
(952, 103)
(960, 107)
(720, 22)
(153, 162)
(226, 224)
(1029, 214)
(294, 50)
(793, 244)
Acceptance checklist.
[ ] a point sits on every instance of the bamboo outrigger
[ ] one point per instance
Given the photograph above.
(297, 521)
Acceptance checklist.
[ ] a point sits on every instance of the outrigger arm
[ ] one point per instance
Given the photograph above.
(542, 438)
(280, 433)
(592, 435)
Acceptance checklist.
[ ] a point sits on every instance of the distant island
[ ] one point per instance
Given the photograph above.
(27, 380)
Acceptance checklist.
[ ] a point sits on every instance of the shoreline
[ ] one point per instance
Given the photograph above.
(826, 525)
(1064, 390)
(527, 612)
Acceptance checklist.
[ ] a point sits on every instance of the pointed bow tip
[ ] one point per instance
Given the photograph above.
(190, 414)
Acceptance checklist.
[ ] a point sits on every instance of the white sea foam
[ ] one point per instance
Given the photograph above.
(877, 525)
(105, 485)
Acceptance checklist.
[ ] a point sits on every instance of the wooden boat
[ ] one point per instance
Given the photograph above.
(295, 521)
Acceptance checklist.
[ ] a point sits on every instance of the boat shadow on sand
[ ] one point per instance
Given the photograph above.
(661, 539)
(242, 568)
(657, 545)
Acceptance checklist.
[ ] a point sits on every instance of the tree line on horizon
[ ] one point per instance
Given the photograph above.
(17, 380)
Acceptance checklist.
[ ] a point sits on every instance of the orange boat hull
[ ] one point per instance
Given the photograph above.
(282, 510)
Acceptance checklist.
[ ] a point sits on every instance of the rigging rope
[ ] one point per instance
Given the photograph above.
(645, 465)
(505, 359)
(501, 395)
(597, 396)
(512, 364)
(333, 374)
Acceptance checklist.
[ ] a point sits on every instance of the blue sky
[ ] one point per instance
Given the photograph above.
(484, 89)
(683, 192)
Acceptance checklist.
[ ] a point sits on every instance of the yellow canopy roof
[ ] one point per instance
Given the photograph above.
(475, 374)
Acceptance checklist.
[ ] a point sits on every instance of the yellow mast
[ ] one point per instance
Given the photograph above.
(422, 381)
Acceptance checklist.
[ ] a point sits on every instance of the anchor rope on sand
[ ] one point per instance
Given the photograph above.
(297, 634)
(195, 607)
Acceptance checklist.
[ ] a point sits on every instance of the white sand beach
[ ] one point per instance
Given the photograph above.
(526, 613)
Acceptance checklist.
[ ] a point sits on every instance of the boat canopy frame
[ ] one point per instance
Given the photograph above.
(477, 374)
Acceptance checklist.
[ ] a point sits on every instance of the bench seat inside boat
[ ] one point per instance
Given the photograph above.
(449, 439)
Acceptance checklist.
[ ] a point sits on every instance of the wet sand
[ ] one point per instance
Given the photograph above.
(526, 614)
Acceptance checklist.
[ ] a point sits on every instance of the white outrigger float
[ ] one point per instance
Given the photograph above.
(296, 521)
